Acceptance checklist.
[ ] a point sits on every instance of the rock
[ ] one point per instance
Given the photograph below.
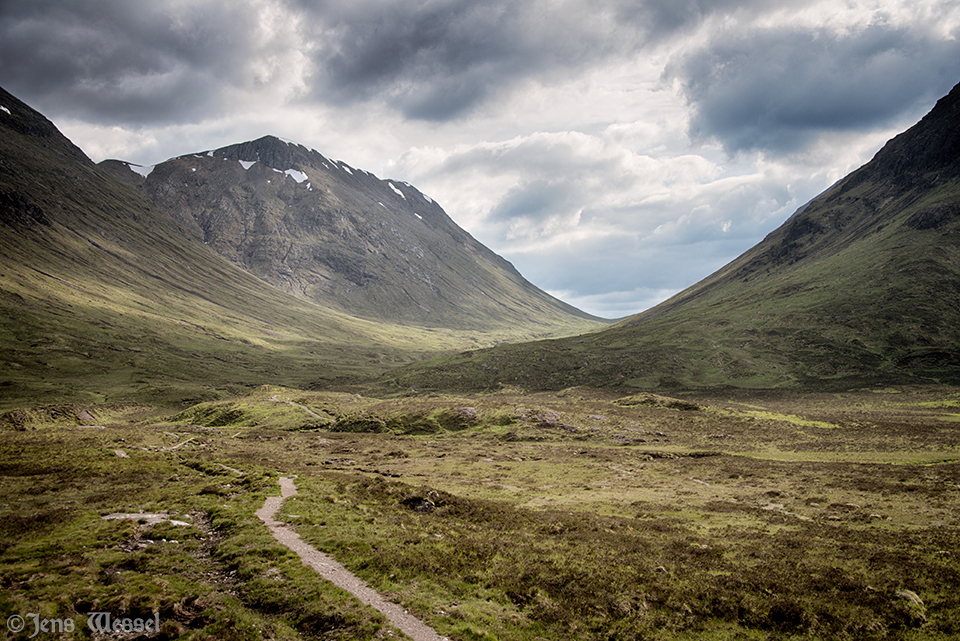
(655, 400)
(467, 413)
(420, 504)
(549, 418)
(934, 217)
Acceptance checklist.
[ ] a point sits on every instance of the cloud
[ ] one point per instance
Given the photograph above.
(164, 61)
(117, 62)
(592, 217)
(778, 89)
(616, 304)
(661, 21)
(440, 60)
(613, 150)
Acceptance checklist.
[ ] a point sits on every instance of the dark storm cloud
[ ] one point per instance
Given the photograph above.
(164, 61)
(437, 60)
(120, 62)
(776, 90)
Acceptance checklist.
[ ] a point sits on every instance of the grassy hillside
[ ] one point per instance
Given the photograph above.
(104, 297)
(862, 286)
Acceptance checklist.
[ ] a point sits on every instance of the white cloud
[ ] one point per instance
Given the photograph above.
(615, 151)
(588, 216)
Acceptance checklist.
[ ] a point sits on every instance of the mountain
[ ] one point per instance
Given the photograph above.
(107, 294)
(859, 287)
(341, 237)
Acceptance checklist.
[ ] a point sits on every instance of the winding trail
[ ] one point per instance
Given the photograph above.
(336, 573)
(277, 399)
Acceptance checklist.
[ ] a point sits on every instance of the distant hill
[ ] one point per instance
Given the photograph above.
(111, 289)
(860, 287)
(340, 236)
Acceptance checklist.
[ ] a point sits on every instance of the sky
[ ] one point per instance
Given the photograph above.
(615, 151)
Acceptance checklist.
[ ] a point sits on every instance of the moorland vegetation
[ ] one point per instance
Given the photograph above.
(771, 454)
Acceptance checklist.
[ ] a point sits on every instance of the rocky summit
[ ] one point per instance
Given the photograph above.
(340, 236)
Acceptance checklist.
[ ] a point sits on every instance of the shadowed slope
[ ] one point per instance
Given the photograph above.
(103, 296)
(110, 288)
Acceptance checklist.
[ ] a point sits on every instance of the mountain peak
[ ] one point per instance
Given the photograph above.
(930, 146)
(918, 161)
(273, 152)
(26, 121)
(346, 239)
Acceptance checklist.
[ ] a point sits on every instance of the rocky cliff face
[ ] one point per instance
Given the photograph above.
(930, 148)
(342, 237)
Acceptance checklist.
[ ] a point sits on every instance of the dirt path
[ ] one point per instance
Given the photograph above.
(336, 573)
(277, 399)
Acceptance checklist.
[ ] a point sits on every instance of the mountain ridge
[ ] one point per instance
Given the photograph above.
(892, 173)
(342, 237)
(860, 286)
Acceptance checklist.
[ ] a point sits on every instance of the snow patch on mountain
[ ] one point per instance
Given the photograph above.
(299, 176)
(143, 170)
(394, 188)
(247, 164)
(5, 110)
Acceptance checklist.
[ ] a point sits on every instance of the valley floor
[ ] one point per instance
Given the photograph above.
(578, 514)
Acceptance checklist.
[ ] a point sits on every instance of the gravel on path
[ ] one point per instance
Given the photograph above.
(334, 572)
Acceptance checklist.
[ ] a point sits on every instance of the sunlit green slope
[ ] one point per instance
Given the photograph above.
(861, 286)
